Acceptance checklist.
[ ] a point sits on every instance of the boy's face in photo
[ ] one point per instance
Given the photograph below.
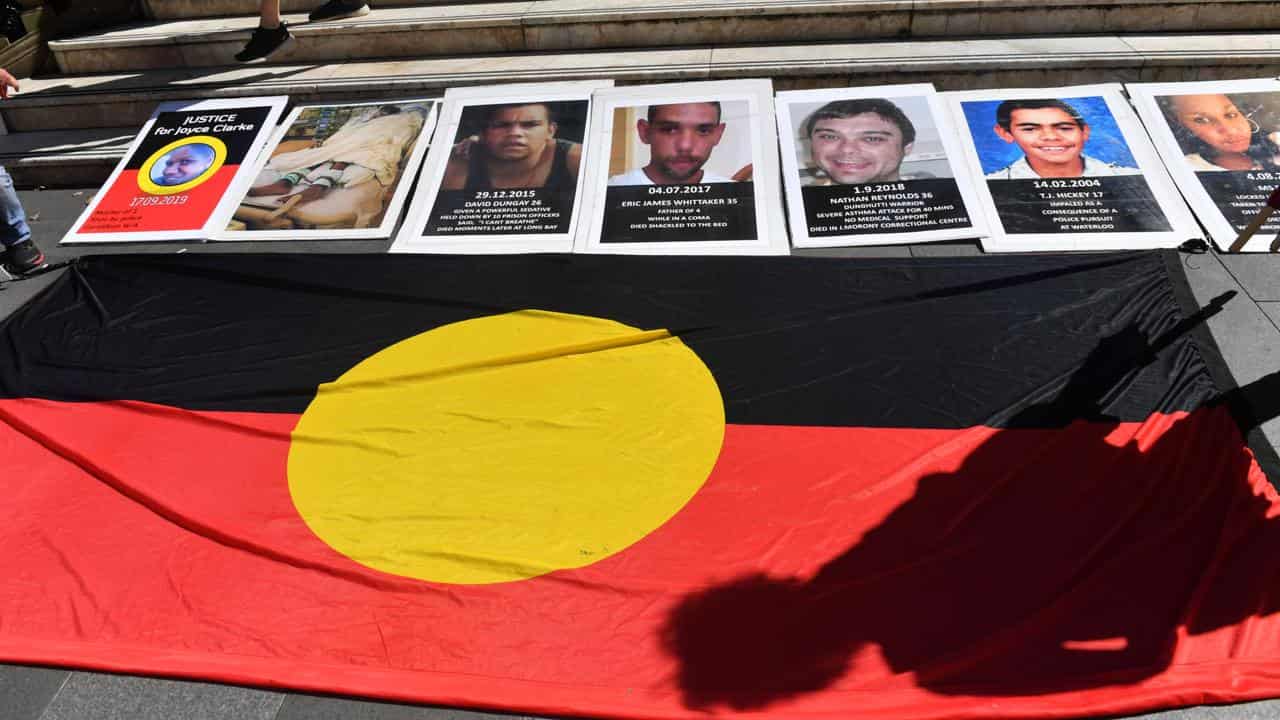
(1047, 136)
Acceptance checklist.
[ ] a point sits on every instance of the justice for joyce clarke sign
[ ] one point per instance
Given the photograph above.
(175, 178)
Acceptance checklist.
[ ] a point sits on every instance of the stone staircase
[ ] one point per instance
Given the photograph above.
(68, 129)
(23, 56)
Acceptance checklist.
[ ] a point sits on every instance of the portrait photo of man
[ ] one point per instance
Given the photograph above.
(871, 165)
(515, 146)
(182, 165)
(854, 141)
(1052, 136)
(680, 138)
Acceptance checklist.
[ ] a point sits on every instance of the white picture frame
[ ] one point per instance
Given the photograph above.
(390, 212)
(1242, 193)
(755, 145)
(432, 202)
(1123, 200)
(931, 186)
(123, 200)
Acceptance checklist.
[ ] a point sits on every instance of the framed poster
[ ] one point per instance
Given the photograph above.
(1067, 169)
(1220, 141)
(873, 166)
(182, 176)
(335, 172)
(504, 174)
(686, 168)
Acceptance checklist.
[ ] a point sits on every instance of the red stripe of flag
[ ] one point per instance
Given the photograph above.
(941, 567)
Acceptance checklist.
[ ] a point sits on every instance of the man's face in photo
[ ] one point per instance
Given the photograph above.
(680, 139)
(183, 165)
(518, 132)
(859, 149)
(1048, 136)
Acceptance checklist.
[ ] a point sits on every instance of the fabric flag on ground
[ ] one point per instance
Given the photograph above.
(641, 487)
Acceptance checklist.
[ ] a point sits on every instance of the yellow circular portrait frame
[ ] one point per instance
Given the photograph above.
(219, 157)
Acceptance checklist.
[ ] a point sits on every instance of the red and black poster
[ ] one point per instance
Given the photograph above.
(640, 487)
(177, 175)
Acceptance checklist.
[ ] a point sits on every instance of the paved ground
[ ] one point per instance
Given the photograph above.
(1247, 331)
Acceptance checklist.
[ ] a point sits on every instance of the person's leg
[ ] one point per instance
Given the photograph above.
(271, 34)
(14, 228)
(20, 252)
(269, 14)
(270, 182)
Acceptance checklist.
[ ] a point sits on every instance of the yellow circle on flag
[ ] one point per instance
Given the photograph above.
(214, 152)
(506, 447)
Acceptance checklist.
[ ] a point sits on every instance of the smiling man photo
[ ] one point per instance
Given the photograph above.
(858, 141)
(1052, 136)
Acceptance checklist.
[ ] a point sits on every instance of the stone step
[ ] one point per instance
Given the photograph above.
(64, 158)
(560, 25)
(22, 58)
(127, 99)
(114, 100)
(188, 9)
(70, 131)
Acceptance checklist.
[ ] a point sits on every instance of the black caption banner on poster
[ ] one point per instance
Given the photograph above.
(1240, 195)
(236, 128)
(500, 212)
(679, 213)
(1121, 203)
(893, 207)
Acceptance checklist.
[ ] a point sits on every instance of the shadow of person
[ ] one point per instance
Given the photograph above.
(1068, 550)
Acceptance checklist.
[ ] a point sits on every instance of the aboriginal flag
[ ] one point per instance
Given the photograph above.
(641, 487)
